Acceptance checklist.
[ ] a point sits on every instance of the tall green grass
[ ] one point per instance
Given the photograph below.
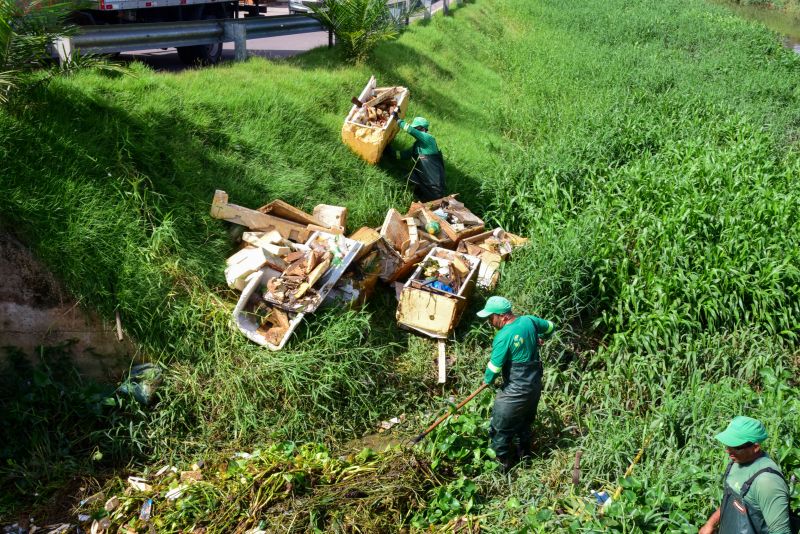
(648, 150)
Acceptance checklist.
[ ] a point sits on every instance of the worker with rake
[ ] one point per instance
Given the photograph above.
(756, 497)
(428, 171)
(515, 355)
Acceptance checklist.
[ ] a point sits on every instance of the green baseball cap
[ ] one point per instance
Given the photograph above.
(495, 305)
(742, 430)
(420, 121)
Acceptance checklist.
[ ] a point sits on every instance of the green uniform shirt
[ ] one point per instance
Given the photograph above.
(425, 143)
(518, 341)
(768, 494)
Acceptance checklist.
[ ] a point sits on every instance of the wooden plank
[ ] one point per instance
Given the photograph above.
(255, 220)
(284, 210)
(257, 239)
(419, 308)
(331, 216)
(385, 95)
(248, 263)
(394, 229)
(240, 256)
(442, 362)
(367, 237)
(330, 230)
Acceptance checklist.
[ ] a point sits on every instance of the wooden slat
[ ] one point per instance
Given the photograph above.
(255, 220)
(442, 362)
(284, 210)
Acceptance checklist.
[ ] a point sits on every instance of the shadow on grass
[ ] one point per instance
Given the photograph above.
(58, 428)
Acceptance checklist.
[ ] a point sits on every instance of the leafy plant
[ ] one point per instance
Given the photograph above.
(29, 32)
(359, 25)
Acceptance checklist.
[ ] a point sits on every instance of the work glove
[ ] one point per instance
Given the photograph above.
(394, 114)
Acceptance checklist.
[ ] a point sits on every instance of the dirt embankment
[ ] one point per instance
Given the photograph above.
(36, 310)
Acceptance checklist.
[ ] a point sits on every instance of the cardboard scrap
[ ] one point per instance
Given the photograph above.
(139, 484)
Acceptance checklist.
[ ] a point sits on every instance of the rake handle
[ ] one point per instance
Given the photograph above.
(448, 414)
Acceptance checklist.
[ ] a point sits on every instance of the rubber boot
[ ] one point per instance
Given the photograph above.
(524, 452)
(507, 462)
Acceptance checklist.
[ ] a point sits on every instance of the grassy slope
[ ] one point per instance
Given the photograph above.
(648, 150)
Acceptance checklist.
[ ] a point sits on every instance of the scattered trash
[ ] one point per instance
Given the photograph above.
(292, 261)
(455, 219)
(99, 496)
(386, 425)
(147, 510)
(142, 382)
(492, 247)
(601, 497)
(83, 518)
(369, 126)
(111, 504)
(175, 493)
(100, 525)
(139, 484)
(191, 475)
(312, 271)
(163, 470)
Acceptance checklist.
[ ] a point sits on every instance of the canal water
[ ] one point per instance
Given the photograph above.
(775, 19)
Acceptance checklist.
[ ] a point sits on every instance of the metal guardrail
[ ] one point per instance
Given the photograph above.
(125, 37)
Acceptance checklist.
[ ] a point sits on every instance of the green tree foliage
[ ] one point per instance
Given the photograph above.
(359, 25)
(28, 36)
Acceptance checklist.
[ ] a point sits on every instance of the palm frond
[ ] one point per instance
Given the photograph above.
(7, 84)
(359, 25)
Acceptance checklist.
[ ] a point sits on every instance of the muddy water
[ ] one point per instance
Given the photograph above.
(773, 19)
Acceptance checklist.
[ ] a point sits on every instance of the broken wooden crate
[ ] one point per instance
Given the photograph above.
(312, 271)
(260, 322)
(456, 220)
(405, 241)
(292, 223)
(492, 247)
(432, 308)
(368, 129)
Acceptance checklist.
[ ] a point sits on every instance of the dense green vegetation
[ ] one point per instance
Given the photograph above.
(648, 150)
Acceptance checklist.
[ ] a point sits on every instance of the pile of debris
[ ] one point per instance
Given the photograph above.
(377, 111)
(292, 262)
(288, 265)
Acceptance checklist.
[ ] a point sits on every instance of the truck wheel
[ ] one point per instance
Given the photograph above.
(207, 54)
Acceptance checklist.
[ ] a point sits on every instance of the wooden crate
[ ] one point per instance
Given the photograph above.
(367, 141)
(491, 257)
(430, 311)
(456, 235)
(398, 255)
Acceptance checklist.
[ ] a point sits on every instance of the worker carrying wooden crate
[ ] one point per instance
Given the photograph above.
(428, 171)
(515, 355)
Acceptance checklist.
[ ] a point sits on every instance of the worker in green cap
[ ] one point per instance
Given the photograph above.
(755, 497)
(428, 172)
(515, 356)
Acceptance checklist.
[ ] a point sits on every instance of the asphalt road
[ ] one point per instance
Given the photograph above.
(268, 47)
